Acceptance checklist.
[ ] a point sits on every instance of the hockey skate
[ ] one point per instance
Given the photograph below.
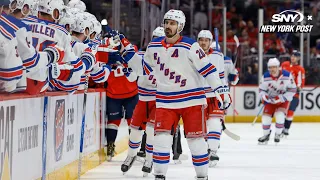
(141, 155)
(178, 158)
(285, 132)
(110, 151)
(147, 168)
(213, 158)
(277, 138)
(202, 178)
(127, 164)
(160, 177)
(264, 139)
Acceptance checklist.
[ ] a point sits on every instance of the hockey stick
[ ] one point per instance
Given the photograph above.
(310, 90)
(236, 54)
(44, 138)
(216, 36)
(82, 125)
(175, 143)
(255, 119)
(229, 133)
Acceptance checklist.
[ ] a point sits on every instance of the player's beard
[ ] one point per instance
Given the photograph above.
(169, 33)
(205, 47)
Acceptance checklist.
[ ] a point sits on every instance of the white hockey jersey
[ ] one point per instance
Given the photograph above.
(272, 87)
(98, 73)
(178, 69)
(229, 69)
(147, 86)
(216, 58)
(11, 66)
(45, 33)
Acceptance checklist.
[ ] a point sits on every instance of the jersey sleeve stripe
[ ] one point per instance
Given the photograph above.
(6, 21)
(32, 62)
(5, 33)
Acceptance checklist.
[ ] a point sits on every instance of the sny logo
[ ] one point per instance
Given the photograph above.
(288, 16)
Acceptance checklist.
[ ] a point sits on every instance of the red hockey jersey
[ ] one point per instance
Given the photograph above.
(297, 72)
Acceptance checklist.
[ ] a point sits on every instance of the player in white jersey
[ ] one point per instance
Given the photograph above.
(143, 117)
(11, 69)
(179, 64)
(213, 113)
(46, 31)
(277, 88)
(37, 65)
(231, 74)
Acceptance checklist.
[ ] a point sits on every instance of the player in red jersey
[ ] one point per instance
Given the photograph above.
(298, 74)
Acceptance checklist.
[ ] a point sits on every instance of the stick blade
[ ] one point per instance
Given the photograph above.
(232, 135)
(236, 40)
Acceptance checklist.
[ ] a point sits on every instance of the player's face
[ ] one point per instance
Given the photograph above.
(273, 70)
(204, 43)
(170, 28)
(294, 59)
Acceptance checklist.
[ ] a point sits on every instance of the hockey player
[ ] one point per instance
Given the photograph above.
(298, 74)
(11, 69)
(77, 4)
(37, 65)
(179, 64)
(277, 89)
(46, 31)
(214, 114)
(143, 117)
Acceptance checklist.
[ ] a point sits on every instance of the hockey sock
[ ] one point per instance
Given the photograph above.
(266, 124)
(287, 123)
(134, 141)
(149, 142)
(200, 157)
(214, 132)
(161, 152)
(112, 130)
(143, 142)
(280, 118)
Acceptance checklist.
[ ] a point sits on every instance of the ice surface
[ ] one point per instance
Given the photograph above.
(294, 158)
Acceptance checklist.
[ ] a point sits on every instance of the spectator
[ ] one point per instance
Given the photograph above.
(200, 17)
(273, 49)
(251, 75)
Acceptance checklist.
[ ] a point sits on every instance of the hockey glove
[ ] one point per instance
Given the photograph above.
(127, 49)
(233, 79)
(265, 99)
(223, 97)
(55, 53)
(60, 71)
(278, 99)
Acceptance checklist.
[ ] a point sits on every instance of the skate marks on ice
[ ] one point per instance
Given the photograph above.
(294, 158)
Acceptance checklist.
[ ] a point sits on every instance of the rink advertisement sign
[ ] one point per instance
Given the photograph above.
(20, 139)
(247, 101)
(287, 22)
(62, 129)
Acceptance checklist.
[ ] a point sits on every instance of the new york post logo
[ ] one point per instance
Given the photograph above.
(290, 23)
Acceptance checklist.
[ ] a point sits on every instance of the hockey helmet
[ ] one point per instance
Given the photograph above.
(205, 34)
(21, 4)
(77, 4)
(49, 6)
(81, 24)
(176, 15)
(273, 62)
(214, 45)
(158, 32)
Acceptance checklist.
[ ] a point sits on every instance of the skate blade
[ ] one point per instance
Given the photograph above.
(145, 174)
(263, 143)
(140, 159)
(177, 161)
(213, 164)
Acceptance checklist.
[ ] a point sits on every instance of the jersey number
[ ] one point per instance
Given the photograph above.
(200, 53)
(43, 45)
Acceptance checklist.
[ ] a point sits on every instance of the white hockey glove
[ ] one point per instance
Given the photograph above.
(278, 99)
(55, 53)
(127, 49)
(224, 98)
(265, 99)
(60, 71)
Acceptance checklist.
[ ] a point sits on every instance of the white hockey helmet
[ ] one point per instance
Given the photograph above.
(48, 7)
(77, 4)
(34, 9)
(21, 4)
(273, 62)
(67, 19)
(158, 32)
(176, 15)
(214, 45)
(205, 34)
(91, 18)
(97, 28)
(81, 24)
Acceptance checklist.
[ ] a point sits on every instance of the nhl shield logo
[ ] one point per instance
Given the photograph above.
(249, 100)
(59, 122)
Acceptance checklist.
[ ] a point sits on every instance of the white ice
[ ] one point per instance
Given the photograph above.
(294, 158)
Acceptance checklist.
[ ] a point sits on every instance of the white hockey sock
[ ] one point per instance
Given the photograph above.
(266, 124)
(134, 141)
(149, 142)
(161, 152)
(200, 158)
(214, 132)
(280, 118)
